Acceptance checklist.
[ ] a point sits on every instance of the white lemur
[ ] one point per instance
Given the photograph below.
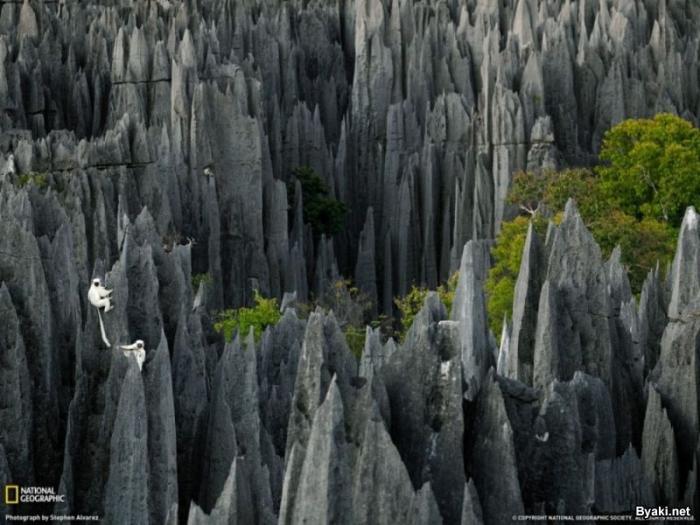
(10, 168)
(100, 298)
(139, 351)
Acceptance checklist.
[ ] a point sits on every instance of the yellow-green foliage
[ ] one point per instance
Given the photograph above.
(200, 278)
(264, 313)
(355, 338)
(411, 303)
(507, 253)
(33, 178)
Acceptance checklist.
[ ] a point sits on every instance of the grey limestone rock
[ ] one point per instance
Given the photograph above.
(652, 318)
(471, 508)
(659, 453)
(685, 273)
(126, 491)
(574, 308)
(382, 490)
(162, 445)
(574, 427)
(323, 352)
(323, 494)
(621, 484)
(365, 273)
(234, 504)
(424, 385)
(525, 306)
(676, 378)
(492, 442)
(17, 411)
(469, 310)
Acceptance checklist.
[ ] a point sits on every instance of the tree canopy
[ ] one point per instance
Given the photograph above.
(651, 167)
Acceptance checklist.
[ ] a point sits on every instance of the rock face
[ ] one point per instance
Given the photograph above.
(152, 144)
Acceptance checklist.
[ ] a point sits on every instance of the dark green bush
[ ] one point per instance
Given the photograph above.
(325, 214)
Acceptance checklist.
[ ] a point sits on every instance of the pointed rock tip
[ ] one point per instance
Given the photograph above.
(4, 292)
(571, 210)
(333, 394)
(690, 219)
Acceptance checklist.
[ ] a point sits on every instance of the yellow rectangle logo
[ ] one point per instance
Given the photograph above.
(11, 494)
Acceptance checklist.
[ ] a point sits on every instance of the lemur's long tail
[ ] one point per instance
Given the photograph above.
(102, 329)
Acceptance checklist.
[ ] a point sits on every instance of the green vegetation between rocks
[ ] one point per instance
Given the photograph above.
(33, 178)
(265, 312)
(635, 199)
(325, 214)
(411, 303)
(351, 308)
(507, 253)
(199, 279)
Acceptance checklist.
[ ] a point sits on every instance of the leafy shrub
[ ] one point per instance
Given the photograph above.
(33, 178)
(324, 213)
(355, 338)
(264, 313)
(411, 303)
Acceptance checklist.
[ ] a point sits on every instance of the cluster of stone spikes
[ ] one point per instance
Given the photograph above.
(150, 141)
(590, 403)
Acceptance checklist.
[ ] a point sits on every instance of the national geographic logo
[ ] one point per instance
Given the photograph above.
(14, 494)
(11, 494)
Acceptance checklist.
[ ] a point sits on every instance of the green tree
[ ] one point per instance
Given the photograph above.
(651, 167)
(324, 213)
(547, 192)
(265, 312)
